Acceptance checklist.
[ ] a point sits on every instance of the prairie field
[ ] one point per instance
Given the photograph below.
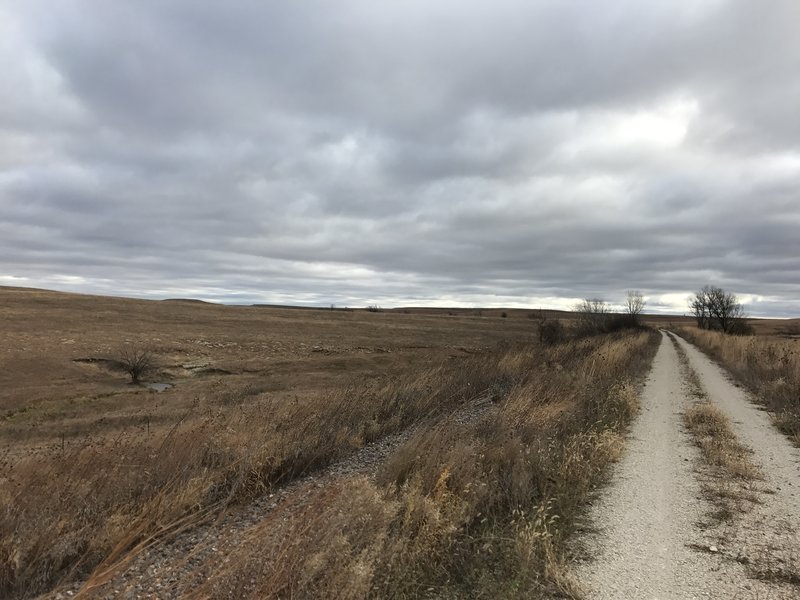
(500, 440)
(58, 382)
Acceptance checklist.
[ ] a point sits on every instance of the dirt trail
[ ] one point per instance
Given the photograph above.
(646, 517)
(650, 521)
(766, 538)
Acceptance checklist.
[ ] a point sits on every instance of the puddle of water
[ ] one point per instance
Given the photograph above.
(158, 387)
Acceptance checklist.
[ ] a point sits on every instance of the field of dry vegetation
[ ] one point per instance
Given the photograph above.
(475, 501)
(768, 364)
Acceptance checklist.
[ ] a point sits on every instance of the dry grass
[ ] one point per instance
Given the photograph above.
(729, 471)
(94, 469)
(769, 366)
(713, 434)
(102, 498)
(480, 510)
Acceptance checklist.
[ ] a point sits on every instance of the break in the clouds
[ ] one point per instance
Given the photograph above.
(508, 153)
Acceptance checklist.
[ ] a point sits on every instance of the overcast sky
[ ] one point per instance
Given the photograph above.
(504, 153)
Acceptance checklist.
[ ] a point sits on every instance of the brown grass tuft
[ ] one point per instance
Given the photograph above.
(712, 432)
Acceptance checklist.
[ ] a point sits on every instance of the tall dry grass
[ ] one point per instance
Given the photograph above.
(85, 506)
(479, 509)
(768, 366)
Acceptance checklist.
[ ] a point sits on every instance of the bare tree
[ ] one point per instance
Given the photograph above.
(136, 362)
(593, 315)
(714, 308)
(699, 307)
(724, 308)
(634, 304)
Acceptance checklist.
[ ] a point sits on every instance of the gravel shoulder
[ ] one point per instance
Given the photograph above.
(176, 567)
(651, 536)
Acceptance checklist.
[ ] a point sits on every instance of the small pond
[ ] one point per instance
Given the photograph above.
(158, 387)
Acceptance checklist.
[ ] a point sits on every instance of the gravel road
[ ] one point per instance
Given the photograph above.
(650, 524)
(767, 537)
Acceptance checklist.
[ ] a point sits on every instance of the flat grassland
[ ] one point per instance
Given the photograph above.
(91, 465)
(501, 440)
(57, 381)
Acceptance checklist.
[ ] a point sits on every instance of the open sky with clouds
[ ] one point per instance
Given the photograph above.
(504, 153)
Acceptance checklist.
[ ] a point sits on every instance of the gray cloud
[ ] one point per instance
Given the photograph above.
(520, 154)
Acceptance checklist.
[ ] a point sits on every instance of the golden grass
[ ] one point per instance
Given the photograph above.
(482, 509)
(104, 497)
(712, 432)
(769, 366)
(95, 470)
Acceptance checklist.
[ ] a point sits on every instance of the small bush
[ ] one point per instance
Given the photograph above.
(551, 332)
(136, 362)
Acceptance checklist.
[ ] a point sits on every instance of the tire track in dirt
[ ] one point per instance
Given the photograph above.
(652, 517)
(765, 539)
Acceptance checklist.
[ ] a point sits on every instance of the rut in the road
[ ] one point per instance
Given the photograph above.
(648, 520)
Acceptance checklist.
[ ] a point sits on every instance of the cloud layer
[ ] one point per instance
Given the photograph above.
(518, 154)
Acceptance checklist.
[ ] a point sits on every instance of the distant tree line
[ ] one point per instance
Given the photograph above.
(594, 316)
(714, 308)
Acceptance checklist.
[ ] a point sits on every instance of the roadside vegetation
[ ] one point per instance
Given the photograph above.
(483, 505)
(479, 509)
(595, 316)
(768, 366)
(65, 512)
(729, 468)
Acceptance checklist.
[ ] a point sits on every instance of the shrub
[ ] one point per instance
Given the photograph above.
(551, 332)
(741, 327)
(136, 362)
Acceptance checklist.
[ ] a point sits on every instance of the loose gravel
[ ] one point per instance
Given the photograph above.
(652, 539)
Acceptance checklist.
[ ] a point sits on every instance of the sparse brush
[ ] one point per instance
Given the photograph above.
(477, 509)
(136, 362)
